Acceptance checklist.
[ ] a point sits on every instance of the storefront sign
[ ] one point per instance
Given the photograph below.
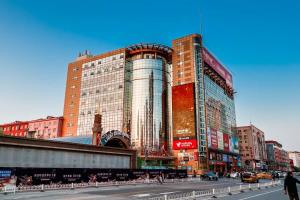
(184, 144)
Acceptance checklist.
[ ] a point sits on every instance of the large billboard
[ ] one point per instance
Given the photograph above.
(217, 66)
(183, 108)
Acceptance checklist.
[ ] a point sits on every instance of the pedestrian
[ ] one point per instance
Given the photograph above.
(290, 186)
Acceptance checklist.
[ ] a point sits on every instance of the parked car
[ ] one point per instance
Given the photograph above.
(249, 177)
(264, 175)
(211, 176)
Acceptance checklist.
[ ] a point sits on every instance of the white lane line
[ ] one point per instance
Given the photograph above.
(141, 195)
(260, 194)
(169, 192)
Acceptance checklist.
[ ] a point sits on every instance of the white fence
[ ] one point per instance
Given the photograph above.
(215, 191)
(14, 189)
(188, 195)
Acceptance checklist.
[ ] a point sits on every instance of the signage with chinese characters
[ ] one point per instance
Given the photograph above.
(184, 144)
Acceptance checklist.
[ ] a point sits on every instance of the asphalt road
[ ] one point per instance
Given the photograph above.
(275, 193)
(143, 191)
(122, 192)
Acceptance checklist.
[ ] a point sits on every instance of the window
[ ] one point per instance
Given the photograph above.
(99, 62)
(85, 75)
(92, 73)
(97, 91)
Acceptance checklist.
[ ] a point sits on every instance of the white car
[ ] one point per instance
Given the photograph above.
(234, 175)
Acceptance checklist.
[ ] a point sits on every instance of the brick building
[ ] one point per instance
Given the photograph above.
(252, 147)
(17, 128)
(50, 127)
(278, 158)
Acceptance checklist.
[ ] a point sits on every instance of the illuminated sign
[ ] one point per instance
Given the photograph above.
(184, 144)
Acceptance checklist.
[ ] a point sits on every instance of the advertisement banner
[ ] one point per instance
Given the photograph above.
(226, 142)
(230, 144)
(208, 138)
(214, 139)
(235, 144)
(217, 66)
(220, 141)
(183, 112)
(184, 144)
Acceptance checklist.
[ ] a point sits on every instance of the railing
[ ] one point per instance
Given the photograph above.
(189, 195)
(14, 189)
(215, 191)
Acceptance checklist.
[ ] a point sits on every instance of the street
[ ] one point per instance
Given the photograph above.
(123, 192)
(145, 191)
(275, 193)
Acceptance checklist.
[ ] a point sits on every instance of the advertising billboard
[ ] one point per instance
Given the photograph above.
(217, 66)
(183, 117)
(214, 138)
(220, 140)
(184, 144)
(226, 142)
(235, 145)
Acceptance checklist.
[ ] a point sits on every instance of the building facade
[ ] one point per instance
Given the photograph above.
(49, 127)
(17, 128)
(278, 158)
(204, 134)
(252, 147)
(130, 88)
(295, 156)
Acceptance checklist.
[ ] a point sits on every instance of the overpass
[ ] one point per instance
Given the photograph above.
(35, 153)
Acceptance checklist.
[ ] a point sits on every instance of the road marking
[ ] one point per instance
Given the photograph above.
(141, 195)
(260, 194)
(169, 192)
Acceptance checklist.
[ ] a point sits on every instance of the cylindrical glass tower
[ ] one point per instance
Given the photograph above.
(150, 81)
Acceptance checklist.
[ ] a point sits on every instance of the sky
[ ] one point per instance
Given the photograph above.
(258, 41)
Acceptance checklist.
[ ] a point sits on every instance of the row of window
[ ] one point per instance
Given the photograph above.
(13, 128)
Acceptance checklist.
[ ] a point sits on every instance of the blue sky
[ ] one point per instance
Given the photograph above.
(257, 40)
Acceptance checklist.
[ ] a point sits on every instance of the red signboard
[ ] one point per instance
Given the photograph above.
(217, 66)
(184, 144)
(214, 139)
(226, 142)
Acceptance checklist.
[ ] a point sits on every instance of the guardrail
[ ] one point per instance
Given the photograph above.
(215, 191)
(42, 188)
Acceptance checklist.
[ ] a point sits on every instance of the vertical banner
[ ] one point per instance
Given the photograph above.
(208, 138)
(220, 140)
(214, 139)
(226, 142)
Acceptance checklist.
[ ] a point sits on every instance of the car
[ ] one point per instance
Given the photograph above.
(264, 175)
(234, 175)
(211, 176)
(249, 177)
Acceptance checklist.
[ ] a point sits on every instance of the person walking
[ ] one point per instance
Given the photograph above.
(290, 186)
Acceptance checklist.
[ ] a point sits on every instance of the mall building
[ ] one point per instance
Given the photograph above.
(176, 105)
(204, 121)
